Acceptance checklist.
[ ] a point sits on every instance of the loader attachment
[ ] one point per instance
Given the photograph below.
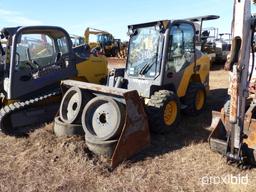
(220, 138)
(114, 121)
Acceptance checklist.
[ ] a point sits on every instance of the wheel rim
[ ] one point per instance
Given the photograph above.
(71, 105)
(200, 97)
(170, 113)
(102, 118)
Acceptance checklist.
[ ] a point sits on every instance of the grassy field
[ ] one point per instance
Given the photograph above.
(179, 161)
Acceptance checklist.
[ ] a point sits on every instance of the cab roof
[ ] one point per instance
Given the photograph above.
(167, 21)
(53, 31)
(203, 18)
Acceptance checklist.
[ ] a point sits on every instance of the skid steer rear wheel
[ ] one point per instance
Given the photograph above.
(194, 99)
(103, 118)
(163, 110)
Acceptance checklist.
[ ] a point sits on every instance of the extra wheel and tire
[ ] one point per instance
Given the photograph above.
(105, 148)
(103, 118)
(65, 129)
(163, 111)
(72, 105)
(194, 99)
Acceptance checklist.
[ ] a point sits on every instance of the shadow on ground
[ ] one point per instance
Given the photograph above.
(191, 129)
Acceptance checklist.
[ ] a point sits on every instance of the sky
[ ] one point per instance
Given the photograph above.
(111, 15)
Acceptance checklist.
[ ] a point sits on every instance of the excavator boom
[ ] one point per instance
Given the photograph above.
(234, 128)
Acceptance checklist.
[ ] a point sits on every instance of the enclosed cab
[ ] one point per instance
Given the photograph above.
(34, 60)
(163, 54)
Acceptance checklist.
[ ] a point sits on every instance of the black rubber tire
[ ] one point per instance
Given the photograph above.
(65, 129)
(105, 148)
(190, 99)
(103, 118)
(155, 109)
(73, 115)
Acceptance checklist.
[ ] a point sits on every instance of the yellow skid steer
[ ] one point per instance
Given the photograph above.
(165, 74)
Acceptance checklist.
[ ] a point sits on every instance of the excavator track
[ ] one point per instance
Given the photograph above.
(13, 113)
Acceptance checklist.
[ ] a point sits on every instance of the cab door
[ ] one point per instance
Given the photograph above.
(40, 59)
(180, 59)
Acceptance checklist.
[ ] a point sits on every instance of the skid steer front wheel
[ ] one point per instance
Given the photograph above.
(163, 110)
(103, 118)
(194, 99)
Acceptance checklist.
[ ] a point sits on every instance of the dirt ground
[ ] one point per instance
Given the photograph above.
(178, 161)
(115, 62)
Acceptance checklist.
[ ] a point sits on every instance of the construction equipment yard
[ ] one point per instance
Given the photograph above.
(171, 106)
(178, 161)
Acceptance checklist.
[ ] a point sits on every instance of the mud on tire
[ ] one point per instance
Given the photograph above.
(194, 99)
(163, 111)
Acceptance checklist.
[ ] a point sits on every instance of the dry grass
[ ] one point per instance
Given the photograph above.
(174, 162)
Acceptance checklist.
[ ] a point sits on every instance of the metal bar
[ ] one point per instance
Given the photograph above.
(95, 87)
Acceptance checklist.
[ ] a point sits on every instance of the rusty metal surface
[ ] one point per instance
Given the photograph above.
(233, 96)
(218, 145)
(248, 116)
(249, 127)
(94, 87)
(221, 126)
(251, 135)
(135, 135)
(217, 126)
(217, 140)
(216, 117)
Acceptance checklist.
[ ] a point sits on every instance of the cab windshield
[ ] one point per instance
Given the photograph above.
(104, 39)
(143, 52)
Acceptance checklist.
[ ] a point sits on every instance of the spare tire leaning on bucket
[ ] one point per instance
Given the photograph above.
(103, 118)
(105, 148)
(72, 105)
(65, 129)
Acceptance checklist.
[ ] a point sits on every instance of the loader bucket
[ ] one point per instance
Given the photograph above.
(217, 139)
(133, 135)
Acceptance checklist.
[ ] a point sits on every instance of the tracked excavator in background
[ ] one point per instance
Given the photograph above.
(234, 128)
(165, 74)
(34, 60)
(105, 43)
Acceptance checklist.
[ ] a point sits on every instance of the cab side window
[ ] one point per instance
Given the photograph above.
(62, 45)
(181, 47)
(34, 47)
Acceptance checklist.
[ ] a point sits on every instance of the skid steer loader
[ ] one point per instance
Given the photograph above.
(234, 128)
(164, 74)
(34, 60)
